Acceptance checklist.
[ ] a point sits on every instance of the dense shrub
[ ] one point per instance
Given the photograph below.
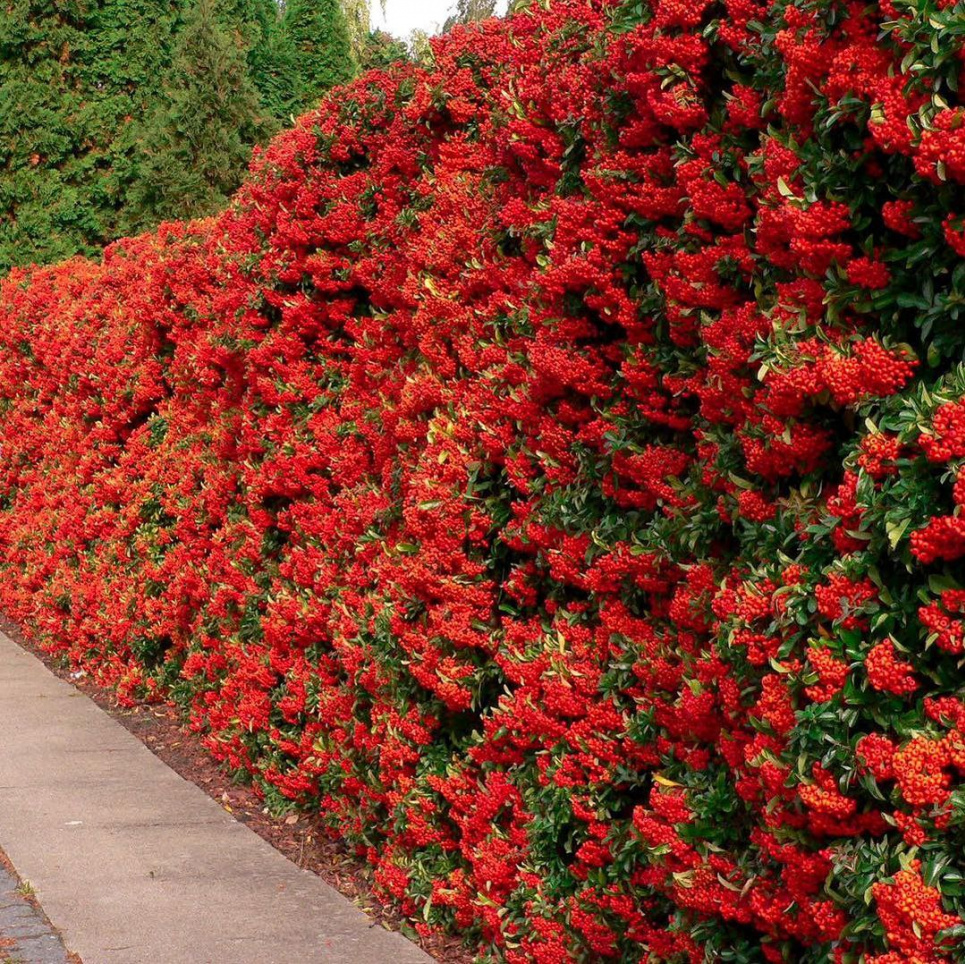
(549, 468)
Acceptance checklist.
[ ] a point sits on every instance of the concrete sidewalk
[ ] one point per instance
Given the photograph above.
(134, 865)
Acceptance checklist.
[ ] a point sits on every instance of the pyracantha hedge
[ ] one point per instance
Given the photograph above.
(550, 469)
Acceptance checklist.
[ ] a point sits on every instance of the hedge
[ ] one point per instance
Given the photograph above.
(549, 470)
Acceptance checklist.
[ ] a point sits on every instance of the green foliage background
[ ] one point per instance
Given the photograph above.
(99, 111)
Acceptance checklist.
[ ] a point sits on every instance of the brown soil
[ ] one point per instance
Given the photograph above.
(300, 837)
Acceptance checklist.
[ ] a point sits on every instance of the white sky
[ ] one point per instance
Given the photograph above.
(403, 16)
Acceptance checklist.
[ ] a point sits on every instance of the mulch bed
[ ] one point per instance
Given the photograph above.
(301, 838)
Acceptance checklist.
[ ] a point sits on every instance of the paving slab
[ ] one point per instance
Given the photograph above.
(135, 865)
(26, 937)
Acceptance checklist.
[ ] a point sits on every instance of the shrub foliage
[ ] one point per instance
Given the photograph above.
(549, 468)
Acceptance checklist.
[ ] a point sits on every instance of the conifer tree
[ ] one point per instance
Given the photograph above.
(274, 71)
(73, 76)
(256, 25)
(319, 34)
(97, 125)
(36, 68)
(196, 144)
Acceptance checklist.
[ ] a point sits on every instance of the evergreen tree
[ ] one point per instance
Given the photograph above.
(34, 74)
(196, 144)
(274, 71)
(129, 48)
(98, 126)
(73, 75)
(256, 26)
(319, 35)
